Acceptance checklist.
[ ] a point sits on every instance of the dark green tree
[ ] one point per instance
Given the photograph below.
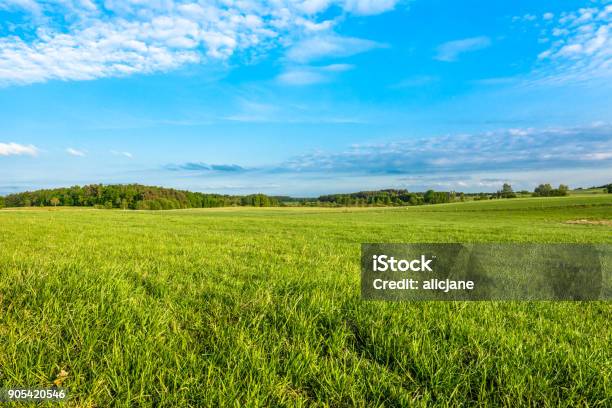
(563, 190)
(543, 190)
(507, 191)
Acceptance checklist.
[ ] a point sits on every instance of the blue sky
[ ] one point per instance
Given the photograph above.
(305, 97)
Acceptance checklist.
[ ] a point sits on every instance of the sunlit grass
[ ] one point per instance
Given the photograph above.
(243, 306)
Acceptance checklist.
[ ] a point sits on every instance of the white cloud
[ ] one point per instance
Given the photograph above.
(451, 50)
(75, 152)
(368, 7)
(580, 49)
(359, 7)
(329, 46)
(124, 154)
(510, 149)
(27, 5)
(598, 156)
(100, 50)
(309, 75)
(15, 149)
(252, 111)
(314, 6)
(79, 40)
(337, 67)
(524, 18)
(301, 76)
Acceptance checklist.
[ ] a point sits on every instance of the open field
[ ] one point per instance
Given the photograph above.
(261, 307)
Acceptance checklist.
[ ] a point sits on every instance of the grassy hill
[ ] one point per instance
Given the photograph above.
(207, 307)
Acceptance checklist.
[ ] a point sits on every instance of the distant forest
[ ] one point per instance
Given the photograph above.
(139, 197)
(132, 196)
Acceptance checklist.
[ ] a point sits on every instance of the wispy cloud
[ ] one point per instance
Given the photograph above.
(450, 51)
(359, 7)
(29, 5)
(508, 150)
(85, 40)
(511, 149)
(580, 47)
(368, 7)
(203, 167)
(497, 81)
(124, 154)
(75, 152)
(16, 149)
(301, 76)
(309, 75)
(525, 17)
(251, 111)
(329, 46)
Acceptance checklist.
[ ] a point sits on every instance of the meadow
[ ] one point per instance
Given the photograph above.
(262, 307)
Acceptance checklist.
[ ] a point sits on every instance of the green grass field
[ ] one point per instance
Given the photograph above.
(261, 307)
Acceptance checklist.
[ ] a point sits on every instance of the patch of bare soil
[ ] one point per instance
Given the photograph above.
(590, 222)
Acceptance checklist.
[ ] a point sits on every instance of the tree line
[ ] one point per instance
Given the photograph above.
(131, 196)
(389, 197)
(140, 197)
(400, 197)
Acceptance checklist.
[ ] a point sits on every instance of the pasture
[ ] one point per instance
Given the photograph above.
(261, 307)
